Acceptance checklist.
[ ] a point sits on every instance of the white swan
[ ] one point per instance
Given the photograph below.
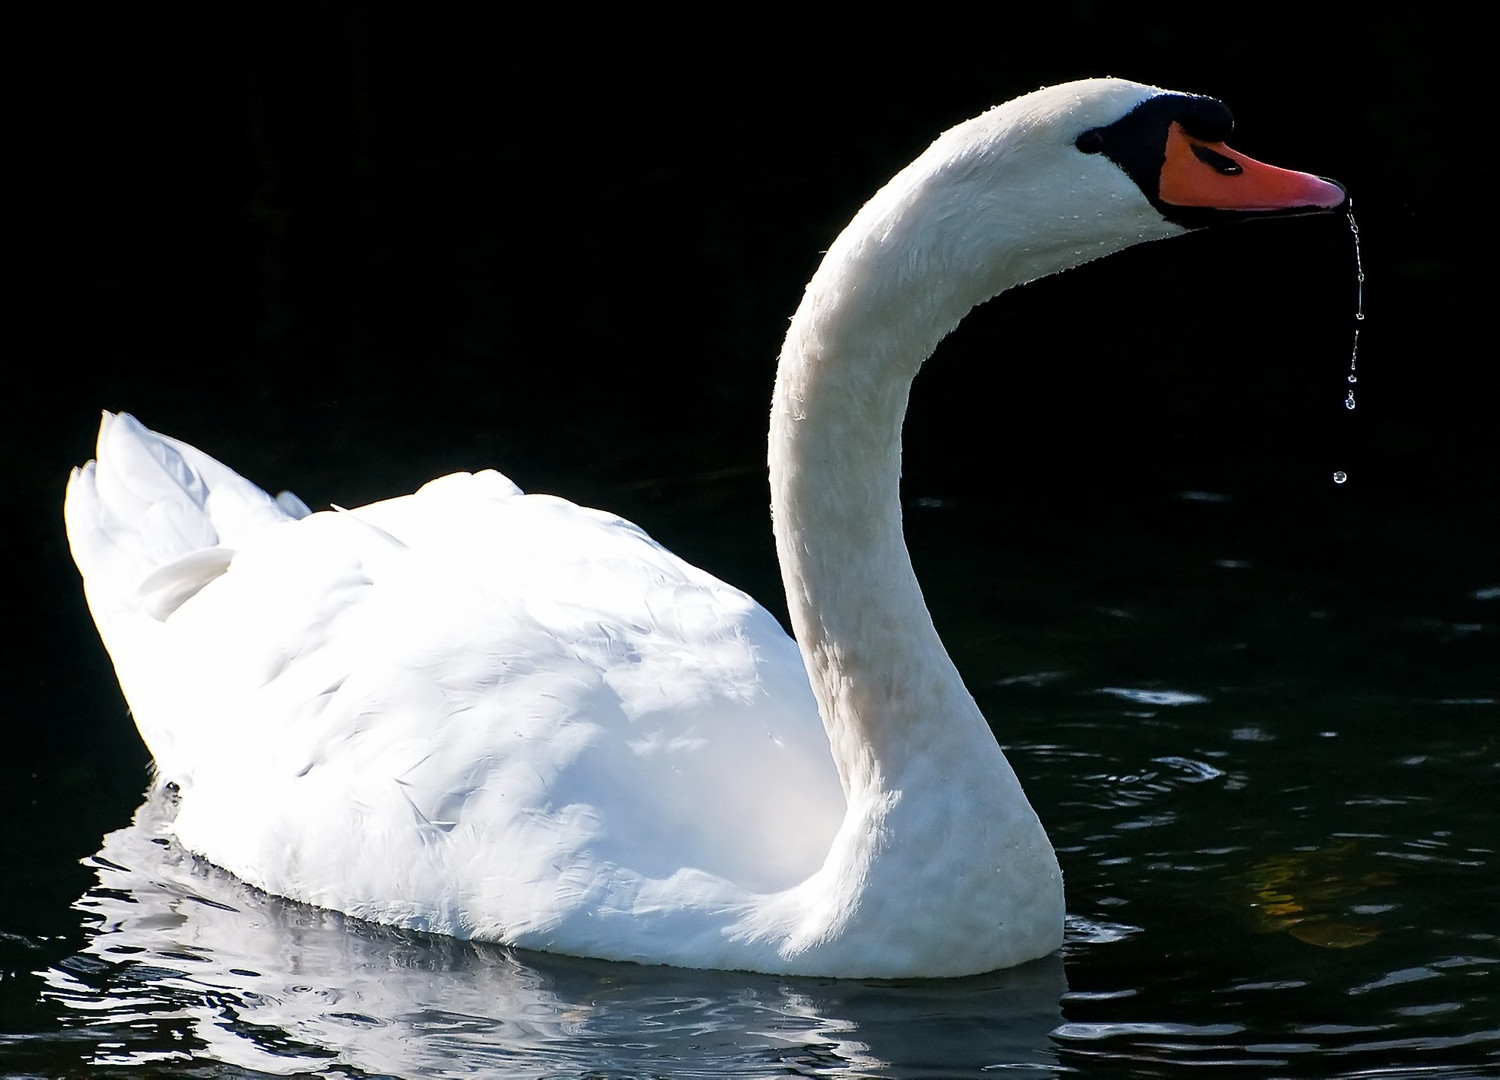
(497, 715)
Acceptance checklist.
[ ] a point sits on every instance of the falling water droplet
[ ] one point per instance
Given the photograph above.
(1359, 303)
(1352, 377)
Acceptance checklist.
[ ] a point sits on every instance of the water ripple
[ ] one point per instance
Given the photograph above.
(271, 986)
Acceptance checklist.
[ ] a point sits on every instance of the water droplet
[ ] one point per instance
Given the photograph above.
(1359, 301)
(1351, 378)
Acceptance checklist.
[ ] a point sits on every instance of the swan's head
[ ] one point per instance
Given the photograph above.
(1048, 181)
(1172, 148)
(1166, 146)
(1064, 175)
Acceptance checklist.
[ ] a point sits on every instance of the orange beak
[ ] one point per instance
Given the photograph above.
(1209, 174)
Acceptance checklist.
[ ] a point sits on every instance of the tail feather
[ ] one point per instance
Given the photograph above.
(152, 520)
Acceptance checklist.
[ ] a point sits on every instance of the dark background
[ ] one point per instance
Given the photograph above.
(347, 249)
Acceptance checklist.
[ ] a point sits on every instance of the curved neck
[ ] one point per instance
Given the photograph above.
(962, 223)
(891, 699)
(931, 798)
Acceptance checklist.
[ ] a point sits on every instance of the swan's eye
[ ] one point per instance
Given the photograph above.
(1217, 161)
(1091, 141)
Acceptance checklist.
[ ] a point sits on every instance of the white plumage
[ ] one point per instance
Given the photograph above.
(498, 715)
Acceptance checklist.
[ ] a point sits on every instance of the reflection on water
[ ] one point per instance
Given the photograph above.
(186, 962)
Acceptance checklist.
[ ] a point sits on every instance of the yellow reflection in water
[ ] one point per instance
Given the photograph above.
(1307, 894)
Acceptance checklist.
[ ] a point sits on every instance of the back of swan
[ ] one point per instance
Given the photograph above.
(492, 709)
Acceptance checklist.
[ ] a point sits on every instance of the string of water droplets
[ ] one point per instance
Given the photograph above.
(1340, 476)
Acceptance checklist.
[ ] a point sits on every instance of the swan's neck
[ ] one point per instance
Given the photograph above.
(970, 218)
(890, 697)
(884, 683)
(938, 833)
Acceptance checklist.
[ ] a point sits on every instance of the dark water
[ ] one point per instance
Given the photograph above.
(1256, 711)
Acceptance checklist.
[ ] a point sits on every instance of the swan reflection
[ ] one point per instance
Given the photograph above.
(185, 963)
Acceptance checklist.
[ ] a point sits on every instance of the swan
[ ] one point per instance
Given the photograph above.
(481, 713)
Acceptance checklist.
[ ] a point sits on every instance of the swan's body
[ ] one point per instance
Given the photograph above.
(499, 715)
